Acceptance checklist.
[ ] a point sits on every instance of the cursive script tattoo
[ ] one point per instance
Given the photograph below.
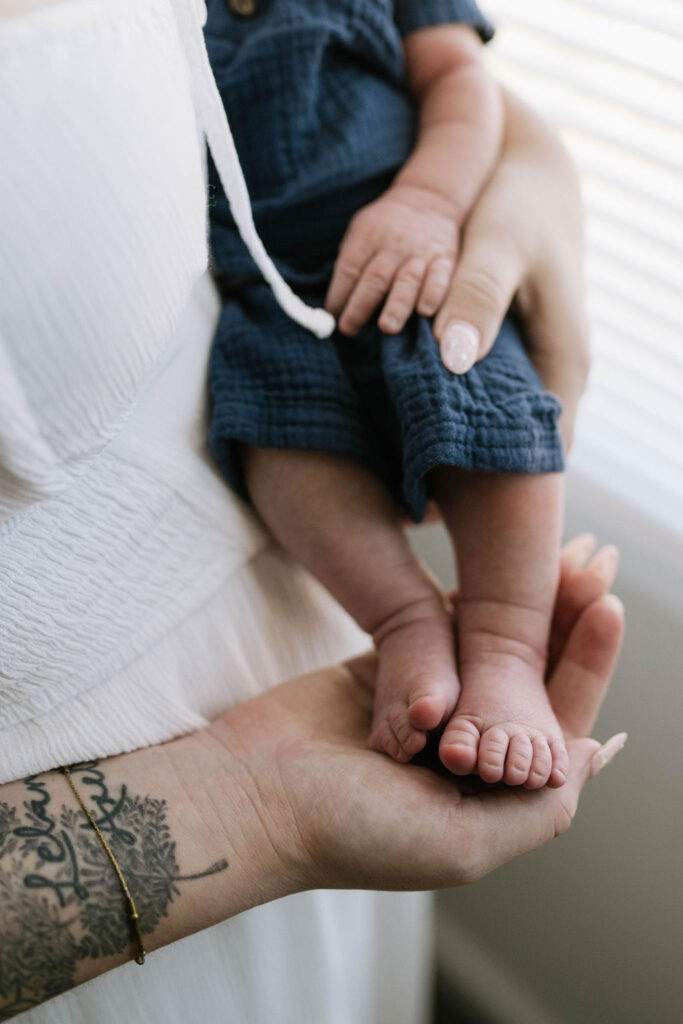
(60, 898)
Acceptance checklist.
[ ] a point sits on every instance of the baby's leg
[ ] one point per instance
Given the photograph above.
(340, 522)
(506, 529)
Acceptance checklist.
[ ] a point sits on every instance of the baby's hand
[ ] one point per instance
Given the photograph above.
(401, 248)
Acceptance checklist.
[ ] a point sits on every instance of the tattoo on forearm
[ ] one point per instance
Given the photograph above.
(60, 900)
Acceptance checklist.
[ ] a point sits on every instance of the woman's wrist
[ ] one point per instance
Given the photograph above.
(239, 798)
(229, 845)
(185, 826)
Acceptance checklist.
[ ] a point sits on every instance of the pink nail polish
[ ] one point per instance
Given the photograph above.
(613, 601)
(602, 757)
(582, 548)
(605, 563)
(459, 346)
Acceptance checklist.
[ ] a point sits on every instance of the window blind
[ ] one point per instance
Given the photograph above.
(609, 75)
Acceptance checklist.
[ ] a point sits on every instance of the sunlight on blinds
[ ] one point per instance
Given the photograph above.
(610, 75)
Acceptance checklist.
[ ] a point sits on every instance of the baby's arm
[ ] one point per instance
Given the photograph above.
(461, 115)
(402, 247)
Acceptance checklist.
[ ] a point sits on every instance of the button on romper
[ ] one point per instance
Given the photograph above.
(322, 119)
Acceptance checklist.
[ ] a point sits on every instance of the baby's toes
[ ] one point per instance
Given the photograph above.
(459, 745)
(383, 740)
(493, 750)
(411, 740)
(541, 763)
(560, 768)
(393, 733)
(428, 706)
(518, 761)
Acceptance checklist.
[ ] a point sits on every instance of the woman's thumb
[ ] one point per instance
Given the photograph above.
(480, 293)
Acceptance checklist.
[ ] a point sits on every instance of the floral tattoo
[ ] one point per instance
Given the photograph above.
(60, 900)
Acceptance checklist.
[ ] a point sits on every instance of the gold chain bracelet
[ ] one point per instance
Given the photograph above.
(140, 958)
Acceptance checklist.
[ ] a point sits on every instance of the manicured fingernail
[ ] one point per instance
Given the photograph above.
(459, 346)
(580, 549)
(613, 601)
(605, 562)
(608, 752)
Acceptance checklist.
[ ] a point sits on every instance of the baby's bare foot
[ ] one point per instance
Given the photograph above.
(417, 685)
(503, 727)
(509, 751)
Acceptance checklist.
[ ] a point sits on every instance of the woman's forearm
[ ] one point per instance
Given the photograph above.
(64, 916)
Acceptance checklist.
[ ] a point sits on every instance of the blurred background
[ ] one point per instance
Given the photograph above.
(589, 930)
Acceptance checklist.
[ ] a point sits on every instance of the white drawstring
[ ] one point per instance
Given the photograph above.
(191, 15)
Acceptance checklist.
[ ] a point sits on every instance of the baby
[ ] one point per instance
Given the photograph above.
(363, 157)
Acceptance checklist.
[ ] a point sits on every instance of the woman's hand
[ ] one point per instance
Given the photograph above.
(278, 795)
(524, 240)
(339, 815)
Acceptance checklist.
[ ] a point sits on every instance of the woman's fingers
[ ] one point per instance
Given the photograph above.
(516, 821)
(583, 579)
(607, 752)
(579, 682)
(481, 290)
(576, 552)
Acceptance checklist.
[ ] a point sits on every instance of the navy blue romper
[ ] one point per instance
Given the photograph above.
(322, 119)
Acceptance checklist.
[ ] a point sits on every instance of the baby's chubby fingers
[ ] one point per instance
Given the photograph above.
(403, 294)
(400, 248)
(373, 285)
(435, 286)
(355, 253)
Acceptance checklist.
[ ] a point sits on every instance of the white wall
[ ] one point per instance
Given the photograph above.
(589, 930)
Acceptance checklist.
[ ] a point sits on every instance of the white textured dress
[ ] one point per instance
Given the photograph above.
(138, 597)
